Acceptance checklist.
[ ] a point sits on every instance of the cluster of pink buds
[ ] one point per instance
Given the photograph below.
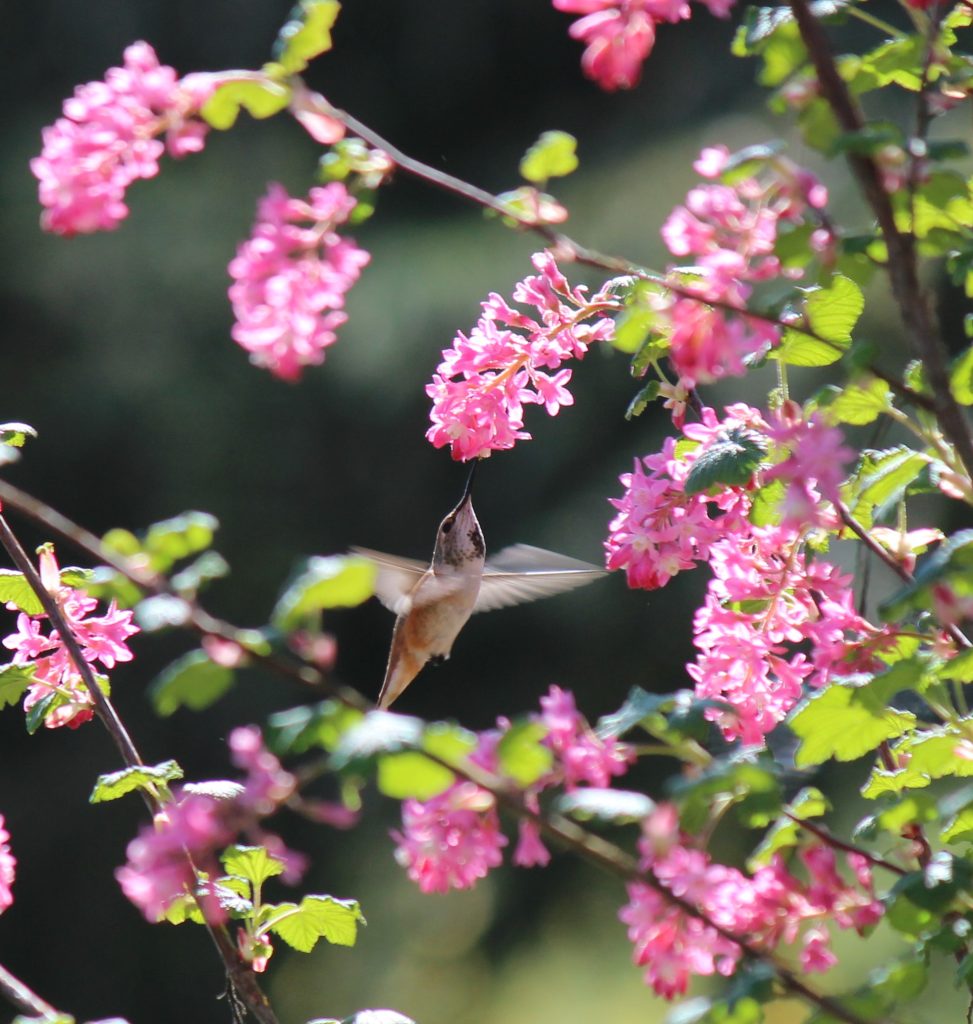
(8, 863)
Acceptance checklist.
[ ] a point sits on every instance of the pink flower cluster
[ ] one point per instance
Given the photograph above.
(619, 34)
(481, 386)
(813, 469)
(766, 601)
(189, 833)
(659, 530)
(454, 839)
(8, 864)
(291, 276)
(109, 137)
(56, 678)
(731, 232)
(768, 909)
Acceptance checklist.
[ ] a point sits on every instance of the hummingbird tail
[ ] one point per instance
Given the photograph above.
(402, 669)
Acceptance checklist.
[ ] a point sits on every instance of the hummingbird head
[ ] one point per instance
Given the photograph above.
(460, 539)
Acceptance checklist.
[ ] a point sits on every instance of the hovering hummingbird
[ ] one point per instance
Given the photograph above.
(432, 603)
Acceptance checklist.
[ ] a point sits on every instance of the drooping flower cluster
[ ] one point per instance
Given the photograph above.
(730, 232)
(481, 386)
(291, 276)
(765, 601)
(57, 686)
(659, 530)
(772, 907)
(191, 831)
(8, 864)
(110, 135)
(454, 839)
(619, 34)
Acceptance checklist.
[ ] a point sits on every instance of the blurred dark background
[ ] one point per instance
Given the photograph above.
(116, 348)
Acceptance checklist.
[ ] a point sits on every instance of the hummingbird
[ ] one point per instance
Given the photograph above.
(432, 603)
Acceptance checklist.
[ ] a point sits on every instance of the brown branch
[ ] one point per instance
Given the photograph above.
(902, 267)
(830, 839)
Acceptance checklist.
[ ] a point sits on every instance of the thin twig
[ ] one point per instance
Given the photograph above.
(19, 995)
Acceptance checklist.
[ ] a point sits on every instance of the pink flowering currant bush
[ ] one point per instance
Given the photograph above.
(778, 503)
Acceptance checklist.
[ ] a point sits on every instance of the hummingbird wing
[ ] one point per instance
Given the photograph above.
(524, 573)
(395, 578)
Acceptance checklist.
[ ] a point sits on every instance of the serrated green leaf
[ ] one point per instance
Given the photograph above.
(797, 348)
(144, 776)
(553, 155)
(900, 61)
(411, 775)
(260, 98)
(639, 705)
(616, 806)
(306, 35)
(642, 400)
(15, 590)
(833, 311)
(930, 754)
(16, 434)
(959, 668)
(860, 403)
(765, 508)
(522, 754)
(317, 917)
(337, 581)
(253, 863)
(299, 729)
(14, 680)
(192, 681)
(730, 460)
(845, 722)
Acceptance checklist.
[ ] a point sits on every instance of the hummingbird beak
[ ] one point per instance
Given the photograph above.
(468, 492)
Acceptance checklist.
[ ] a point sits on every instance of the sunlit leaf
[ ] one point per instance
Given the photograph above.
(142, 776)
(192, 681)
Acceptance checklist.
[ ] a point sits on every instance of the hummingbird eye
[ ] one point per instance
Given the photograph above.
(447, 526)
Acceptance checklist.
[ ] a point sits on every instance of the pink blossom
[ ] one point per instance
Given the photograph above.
(110, 135)
(580, 753)
(530, 852)
(290, 278)
(768, 909)
(102, 640)
(618, 35)
(659, 530)
(813, 470)
(450, 841)
(484, 381)
(8, 863)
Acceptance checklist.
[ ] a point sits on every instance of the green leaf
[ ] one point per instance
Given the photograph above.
(15, 590)
(16, 434)
(411, 775)
(14, 680)
(253, 863)
(730, 460)
(900, 61)
(785, 833)
(830, 313)
(143, 776)
(845, 722)
(930, 754)
(522, 754)
(615, 806)
(338, 581)
(317, 917)
(379, 732)
(883, 477)
(641, 401)
(171, 540)
(192, 681)
(260, 98)
(551, 156)
(961, 377)
(639, 705)
(740, 781)
(209, 566)
(306, 35)
(860, 403)
(299, 729)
